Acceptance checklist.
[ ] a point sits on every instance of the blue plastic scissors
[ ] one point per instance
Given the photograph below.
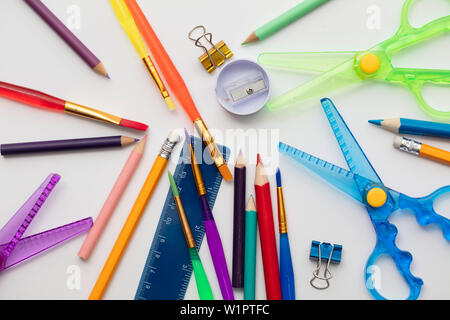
(363, 184)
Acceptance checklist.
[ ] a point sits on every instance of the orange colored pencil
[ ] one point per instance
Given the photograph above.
(177, 85)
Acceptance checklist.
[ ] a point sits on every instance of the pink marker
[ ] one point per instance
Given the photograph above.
(112, 200)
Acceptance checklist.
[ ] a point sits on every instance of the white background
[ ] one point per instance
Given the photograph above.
(32, 55)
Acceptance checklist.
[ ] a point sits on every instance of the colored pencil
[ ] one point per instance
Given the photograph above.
(267, 233)
(414, 127)
(421, 149)
(112, 200)
(68, 36)
(250, 250)
(128, 24)
(286, 270)
(212, 233)
(239, 222)
(133, 218)
(65, 145)
(177, 85)
(203, 286)
(283, 20)
(42, 100)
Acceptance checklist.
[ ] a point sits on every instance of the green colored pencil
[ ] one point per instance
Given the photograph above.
(250, 250)
(283, 20)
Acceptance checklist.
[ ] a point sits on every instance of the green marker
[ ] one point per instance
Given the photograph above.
(285, 19)
(250, 250)
(203, 287)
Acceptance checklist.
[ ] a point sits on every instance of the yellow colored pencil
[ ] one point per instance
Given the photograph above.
(128, 24)
(133, 218)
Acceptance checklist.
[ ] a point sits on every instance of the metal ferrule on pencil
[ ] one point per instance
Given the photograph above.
(410, 146)
(184, 223)
(281, 211)
(207, 138)
(86, 112)
(167, 147)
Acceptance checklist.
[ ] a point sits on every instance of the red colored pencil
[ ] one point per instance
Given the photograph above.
(45, 101)
(267, 234)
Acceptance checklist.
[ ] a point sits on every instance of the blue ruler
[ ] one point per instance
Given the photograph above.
(168, 268)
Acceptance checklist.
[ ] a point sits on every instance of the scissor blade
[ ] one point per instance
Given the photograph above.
(13, 230)
(32, 245)
(337, 176)
(353, 154)
(339, 77)
(305, 61)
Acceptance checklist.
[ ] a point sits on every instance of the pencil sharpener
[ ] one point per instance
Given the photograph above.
(242, 87)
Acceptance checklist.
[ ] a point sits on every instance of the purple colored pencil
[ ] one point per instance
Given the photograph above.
(237, 274)
(67, 36)
(64, 145)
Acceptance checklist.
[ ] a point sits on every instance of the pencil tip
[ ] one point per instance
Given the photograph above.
(251, 38)
(376, 122)
(258, 159)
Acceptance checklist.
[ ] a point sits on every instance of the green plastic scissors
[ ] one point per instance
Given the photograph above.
(341, 69)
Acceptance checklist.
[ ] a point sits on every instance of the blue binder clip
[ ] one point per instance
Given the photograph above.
(328, 253)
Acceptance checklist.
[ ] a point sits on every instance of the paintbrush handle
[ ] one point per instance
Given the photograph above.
(203, 287)
(216, 250)
(286, 270)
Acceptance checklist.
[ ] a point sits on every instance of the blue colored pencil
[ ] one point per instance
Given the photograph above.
(414, 127)
(286, 270)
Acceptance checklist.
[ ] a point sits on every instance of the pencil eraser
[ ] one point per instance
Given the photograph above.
(398, 141)
(242, 87)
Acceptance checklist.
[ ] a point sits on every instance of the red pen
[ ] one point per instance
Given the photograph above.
(267, 233)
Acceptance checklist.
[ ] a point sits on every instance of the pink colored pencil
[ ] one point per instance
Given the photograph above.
(112, 200)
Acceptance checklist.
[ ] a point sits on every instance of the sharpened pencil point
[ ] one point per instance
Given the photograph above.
(258, 159)
(376, 122)
(251, 38)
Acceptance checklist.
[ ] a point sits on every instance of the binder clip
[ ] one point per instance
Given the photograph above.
(215, 56)
(326, 253)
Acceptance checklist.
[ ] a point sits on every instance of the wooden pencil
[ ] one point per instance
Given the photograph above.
(133, 218)
(112, 200)
(267, 233)
(68, 36)
(65, 145)
(239, 222)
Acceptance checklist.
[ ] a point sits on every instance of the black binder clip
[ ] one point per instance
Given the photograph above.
(324, 252)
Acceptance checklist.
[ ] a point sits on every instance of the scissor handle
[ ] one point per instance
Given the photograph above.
(386, 234)
(415, 78)
(424, 210)
(416, 86)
